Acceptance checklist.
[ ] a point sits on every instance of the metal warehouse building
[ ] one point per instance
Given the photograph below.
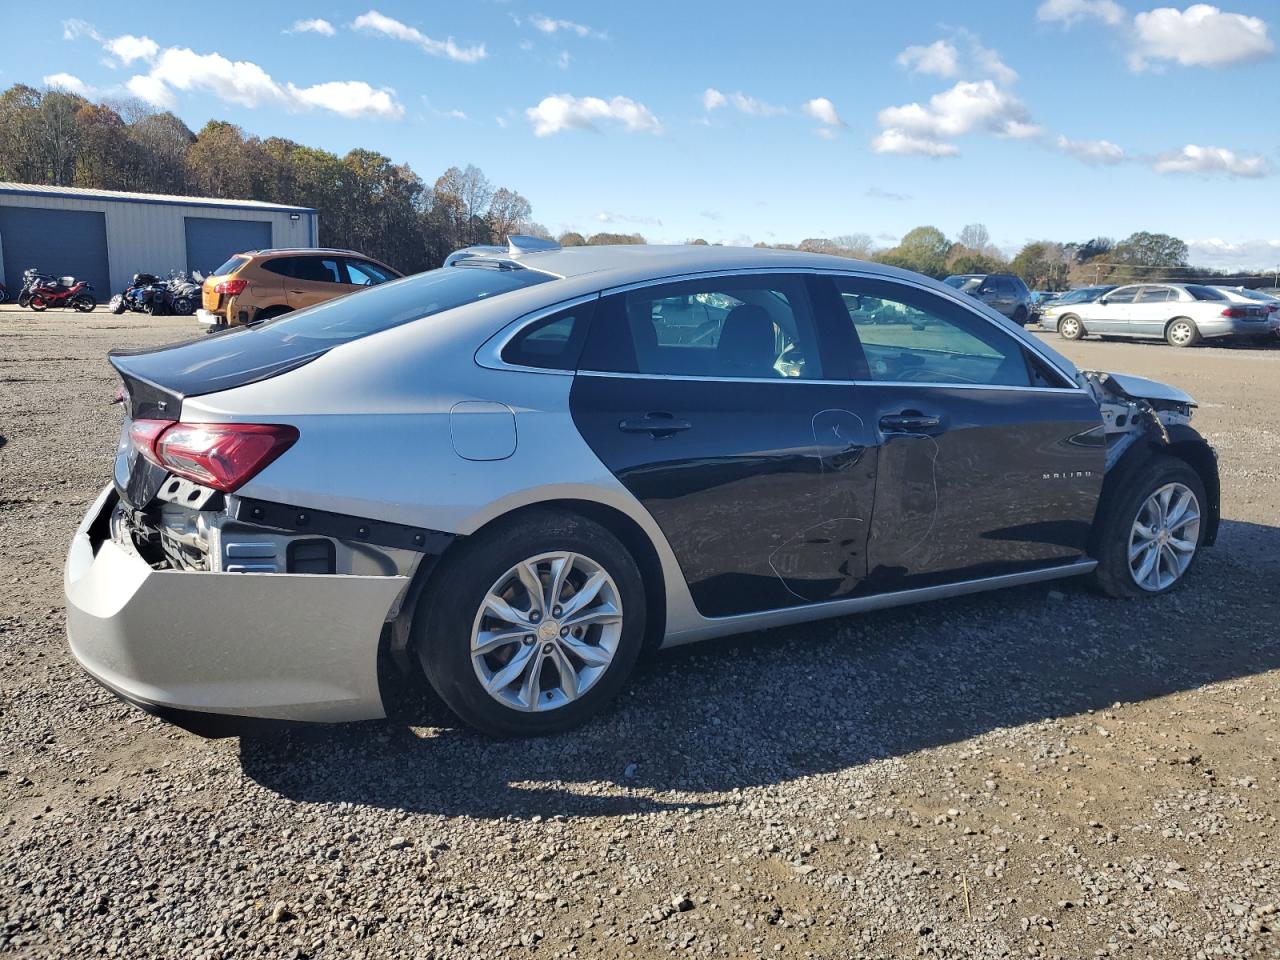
(105, 237)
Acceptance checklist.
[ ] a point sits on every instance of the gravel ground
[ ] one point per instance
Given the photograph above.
(1040, 772)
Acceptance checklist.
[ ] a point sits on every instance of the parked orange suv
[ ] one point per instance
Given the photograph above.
(262, 284)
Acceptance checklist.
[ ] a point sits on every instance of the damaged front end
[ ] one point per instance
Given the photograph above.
(1141, 418)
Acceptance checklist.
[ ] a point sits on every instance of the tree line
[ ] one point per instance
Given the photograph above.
(365, 201)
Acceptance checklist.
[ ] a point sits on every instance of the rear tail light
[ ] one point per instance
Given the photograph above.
(224, 456)
(231, 288)
(1235, 312)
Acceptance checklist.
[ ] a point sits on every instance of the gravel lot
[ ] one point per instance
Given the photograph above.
(1041, 772)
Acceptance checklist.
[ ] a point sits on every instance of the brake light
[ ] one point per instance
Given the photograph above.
(224, 456)
(1235, 312)
(231, 288)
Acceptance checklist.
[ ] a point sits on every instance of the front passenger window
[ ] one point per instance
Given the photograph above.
(913, 336)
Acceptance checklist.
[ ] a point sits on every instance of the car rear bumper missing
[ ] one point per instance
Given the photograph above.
(271, 646)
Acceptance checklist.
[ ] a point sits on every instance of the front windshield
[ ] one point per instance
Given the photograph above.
(1075, 296)
(391, 304)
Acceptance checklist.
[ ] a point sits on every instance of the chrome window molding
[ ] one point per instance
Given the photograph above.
(489, 355)
(829, 383)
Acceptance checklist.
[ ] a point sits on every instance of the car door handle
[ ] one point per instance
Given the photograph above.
(909, 421)
(657, 425)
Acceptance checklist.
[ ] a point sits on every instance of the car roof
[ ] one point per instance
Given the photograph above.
(635, 263)
(271, 251)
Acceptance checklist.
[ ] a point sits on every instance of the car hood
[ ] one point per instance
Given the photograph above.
(1140, 388)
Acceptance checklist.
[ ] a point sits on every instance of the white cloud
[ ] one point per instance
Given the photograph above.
(1070, 11)
(989, 62)
(128, 48)
(375, 22)
(69, 83)
(1260, 255)
(824, 111)
(938, 58)
(1197, 159)
(899, 141)
(564, 60)
(1018, 130)
(1100, 152)
(76, 28)
(317, 25)
(551, 26)
(565, 112)
(967, 106)
(713, 99)
(1200, 36)
(248, 85)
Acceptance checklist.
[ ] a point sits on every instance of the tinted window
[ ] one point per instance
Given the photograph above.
(231, 266)
(1204, 293)
(742, 326)
(553, 342)
(365, 274)
(1123, 295)
(282, 266)
(391, 304)
(319, 269)
(912, 336)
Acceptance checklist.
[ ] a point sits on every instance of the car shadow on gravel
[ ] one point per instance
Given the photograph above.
(696, 723)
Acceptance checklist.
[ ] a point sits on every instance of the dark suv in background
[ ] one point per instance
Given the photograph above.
(1000, 291)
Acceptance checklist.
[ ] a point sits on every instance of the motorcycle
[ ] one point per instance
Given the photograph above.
(184, 294)
(63, 292)
(31, 278)
(148, 293)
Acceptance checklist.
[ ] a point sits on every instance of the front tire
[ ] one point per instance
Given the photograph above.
(37, 304)
(531, 627)
(1071, 327)
(1151, 532)
(1182, 333)
(1020, 316)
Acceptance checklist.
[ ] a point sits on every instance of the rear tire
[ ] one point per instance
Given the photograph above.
(1020, 316)
(1182, 332)
(1071, 327)
(84, 302)
(531, 694)
(116, 304)
(270, 313)
(1124, 549)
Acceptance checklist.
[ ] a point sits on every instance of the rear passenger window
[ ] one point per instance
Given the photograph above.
(742, 327)
(913, 336)
(282, 266)
(363, 273)
(552, 343)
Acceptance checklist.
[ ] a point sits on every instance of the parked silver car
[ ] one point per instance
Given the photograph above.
(1182, 314)
(510, 475)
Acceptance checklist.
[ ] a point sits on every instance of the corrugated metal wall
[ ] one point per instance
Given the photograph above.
(151, 237)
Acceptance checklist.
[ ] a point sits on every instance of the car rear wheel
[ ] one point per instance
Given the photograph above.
(1152, 531)
(532, 627)
(1070, 327)
(1020, 316)
(1182, 333)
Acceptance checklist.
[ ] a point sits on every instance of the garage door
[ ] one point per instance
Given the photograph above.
(59, 242)
(210, 242)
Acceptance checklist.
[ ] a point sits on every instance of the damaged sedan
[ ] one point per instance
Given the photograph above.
(510, 476)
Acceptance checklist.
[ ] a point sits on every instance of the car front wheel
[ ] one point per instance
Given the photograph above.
(1070, 327)
(532, 627)
(1151, 531)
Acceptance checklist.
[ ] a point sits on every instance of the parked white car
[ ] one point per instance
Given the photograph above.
(1243, 295)
(1181, 313)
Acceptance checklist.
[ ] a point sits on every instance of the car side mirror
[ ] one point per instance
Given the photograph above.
(1103, 300)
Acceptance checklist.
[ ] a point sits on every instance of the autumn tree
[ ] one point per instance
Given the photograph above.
(923, 250)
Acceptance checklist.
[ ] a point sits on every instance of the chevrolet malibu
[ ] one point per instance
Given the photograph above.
(512, 475)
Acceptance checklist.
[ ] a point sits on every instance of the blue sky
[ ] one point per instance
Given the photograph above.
(738, 122)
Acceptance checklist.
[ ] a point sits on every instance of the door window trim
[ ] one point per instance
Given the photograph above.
(489, 355)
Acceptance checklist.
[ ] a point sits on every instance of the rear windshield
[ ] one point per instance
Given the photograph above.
(244, 355)
(231, 266)
(1204, 293)
(964, 284)
(391, 304)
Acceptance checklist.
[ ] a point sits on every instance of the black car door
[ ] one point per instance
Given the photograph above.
(990, 460)
(705, 398)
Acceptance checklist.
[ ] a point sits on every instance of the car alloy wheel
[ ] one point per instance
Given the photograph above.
(1182, 333)
(1070, 328)
(1163, 539)
(547, 631)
